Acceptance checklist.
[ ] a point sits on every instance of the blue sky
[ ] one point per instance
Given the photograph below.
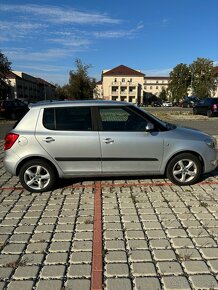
(44, 37)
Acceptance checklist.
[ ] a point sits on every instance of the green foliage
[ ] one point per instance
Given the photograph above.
(163, 94)
(180, 80)
(81, 86)
(5, 66)
(203, 79)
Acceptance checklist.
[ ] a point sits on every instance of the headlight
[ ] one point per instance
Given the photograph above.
(211, 142)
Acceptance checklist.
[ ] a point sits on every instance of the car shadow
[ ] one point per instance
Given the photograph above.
(125, 180)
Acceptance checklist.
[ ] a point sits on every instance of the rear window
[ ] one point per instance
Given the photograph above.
(67, 119)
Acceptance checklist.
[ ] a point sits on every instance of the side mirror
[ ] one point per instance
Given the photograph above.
(149, 127)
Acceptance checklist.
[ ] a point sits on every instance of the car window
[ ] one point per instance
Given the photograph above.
(121, 119)
(68, 119)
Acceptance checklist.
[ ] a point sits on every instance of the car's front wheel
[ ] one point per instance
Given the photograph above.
(37, 176)
(184, 169)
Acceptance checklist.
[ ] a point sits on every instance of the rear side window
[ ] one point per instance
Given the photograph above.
(68, 119)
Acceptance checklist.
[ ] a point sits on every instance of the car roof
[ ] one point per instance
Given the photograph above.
(78, 103)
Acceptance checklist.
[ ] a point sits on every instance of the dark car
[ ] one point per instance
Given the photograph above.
(13, 109)
(189, 102)
(207, 106)
(156, 104)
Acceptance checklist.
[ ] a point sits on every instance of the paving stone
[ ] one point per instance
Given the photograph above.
(214, 265)
(118, 284)
(209, 253)
(152, 225)
(167, 268)
(155, 234)
(135, 234)
(5, 273)
(161, 255)
(59, 247)
(140, 255)
(41, 237)
(53, 271)
(82, 246)
(49, 284)
(56, 258)
(37, 247)
(114, 245)
(19, 238)
(44, 228)
(188, 254)
(145, 269)
(182, 242)
(160, 244)
(137, 244)
(26, 272)
(115, 256)
(79, 271)
(147, 283)
(205, 242)
(195, 267)
(30, 259)
(176, 283)
(112, 226)
(176, 233)
(117, 270)
(24, 285)
(13, 248)
(78, 284)
(8, 260)
(132, 226)
(204, 282)
(131, 218)
(113, 235)
(81, 257)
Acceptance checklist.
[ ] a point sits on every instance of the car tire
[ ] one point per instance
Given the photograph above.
(37, 176)
(195, 112)
(184, 169)
(209, 113)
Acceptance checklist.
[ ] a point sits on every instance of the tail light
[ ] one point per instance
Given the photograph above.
(214, 107)
(10, 139)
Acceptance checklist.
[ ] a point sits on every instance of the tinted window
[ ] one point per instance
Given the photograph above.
(68, 119)
(121, 119)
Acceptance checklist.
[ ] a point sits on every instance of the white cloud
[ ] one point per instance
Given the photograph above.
(119, 33)
(56, 14)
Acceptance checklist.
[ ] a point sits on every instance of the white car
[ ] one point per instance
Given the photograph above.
(167, 104)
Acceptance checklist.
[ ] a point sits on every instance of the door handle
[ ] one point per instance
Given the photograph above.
(108, 141)
(48, 139)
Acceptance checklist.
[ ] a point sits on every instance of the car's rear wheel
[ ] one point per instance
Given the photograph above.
(37, 176)
(184, 169)
(195, 112)
(209, 113)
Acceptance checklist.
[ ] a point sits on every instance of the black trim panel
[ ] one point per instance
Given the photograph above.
(103, 159)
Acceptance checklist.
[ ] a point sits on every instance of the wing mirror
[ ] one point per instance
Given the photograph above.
(149, 127)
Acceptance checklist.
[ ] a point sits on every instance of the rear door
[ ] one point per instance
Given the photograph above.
(68, 136)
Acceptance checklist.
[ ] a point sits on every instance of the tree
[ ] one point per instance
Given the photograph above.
(203, 78)
(163, 94)
(61, 93)
(5, 66)
(180, 80)
(81, 86)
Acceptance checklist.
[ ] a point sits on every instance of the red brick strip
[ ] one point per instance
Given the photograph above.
(97, 267)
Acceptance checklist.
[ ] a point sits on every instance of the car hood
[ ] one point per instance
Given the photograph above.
(185, 133)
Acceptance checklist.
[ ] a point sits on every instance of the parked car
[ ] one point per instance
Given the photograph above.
(103, 138)
(167, 104)
(13, 109)
(189, 102)
(156, 104)
(207, 106)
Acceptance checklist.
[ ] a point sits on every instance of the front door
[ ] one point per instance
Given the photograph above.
(125, 145)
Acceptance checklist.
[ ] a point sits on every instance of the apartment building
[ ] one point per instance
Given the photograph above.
(126, 84)
(26, 87)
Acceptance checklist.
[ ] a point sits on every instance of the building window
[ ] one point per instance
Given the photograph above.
(115, 80)
(130, 80)
(156, 82)
(123, 80)
(145, 87)
(151, 87)
(157, 87)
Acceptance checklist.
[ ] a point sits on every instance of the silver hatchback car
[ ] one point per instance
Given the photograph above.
(103, 138)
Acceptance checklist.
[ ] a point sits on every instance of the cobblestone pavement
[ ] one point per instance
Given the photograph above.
(155, 235)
